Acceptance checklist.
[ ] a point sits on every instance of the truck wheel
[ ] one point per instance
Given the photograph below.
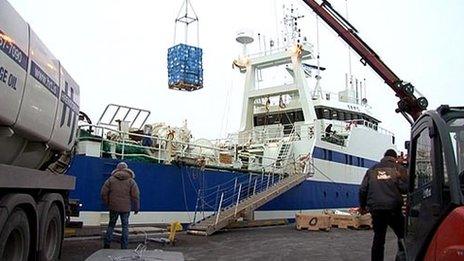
(15, 238)
(52, 235)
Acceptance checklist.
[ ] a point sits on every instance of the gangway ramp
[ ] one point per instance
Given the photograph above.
(263, 191)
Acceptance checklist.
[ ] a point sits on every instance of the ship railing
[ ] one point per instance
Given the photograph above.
(286, 47)
(345, 127)
(324, 95)
(268, 52)
(333, 96)
(270, 133)
(160, 149)
(229, 194)
(370, 125)
(123, 145)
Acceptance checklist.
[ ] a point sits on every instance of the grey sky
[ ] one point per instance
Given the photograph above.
(116, 51)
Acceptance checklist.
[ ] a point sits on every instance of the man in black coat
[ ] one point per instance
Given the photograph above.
(381, 194)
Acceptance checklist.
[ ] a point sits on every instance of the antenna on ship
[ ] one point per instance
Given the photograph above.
(292, 33)
(317, 90)
(360, 91)
(350, 74)
(276, 24)
(364, 99)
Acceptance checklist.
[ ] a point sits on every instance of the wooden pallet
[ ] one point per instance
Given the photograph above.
(313, 222)
(342, 221)
(185, 87)
(364, 221)
(351, 221)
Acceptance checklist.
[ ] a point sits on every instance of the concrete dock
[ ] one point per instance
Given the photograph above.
(266, 243)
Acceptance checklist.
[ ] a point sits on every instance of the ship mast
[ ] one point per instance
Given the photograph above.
(317, 89)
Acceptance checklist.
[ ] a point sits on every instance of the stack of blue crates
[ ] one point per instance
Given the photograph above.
(185, 69)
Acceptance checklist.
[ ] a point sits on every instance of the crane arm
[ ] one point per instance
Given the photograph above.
(410, 106)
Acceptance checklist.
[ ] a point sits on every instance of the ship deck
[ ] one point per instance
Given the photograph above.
(265, 243)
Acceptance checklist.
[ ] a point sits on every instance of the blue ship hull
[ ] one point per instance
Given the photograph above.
(171, 188)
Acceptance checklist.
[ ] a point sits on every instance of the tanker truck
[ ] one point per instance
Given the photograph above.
(39, 110)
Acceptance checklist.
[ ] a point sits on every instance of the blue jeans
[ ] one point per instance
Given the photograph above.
(125, 228)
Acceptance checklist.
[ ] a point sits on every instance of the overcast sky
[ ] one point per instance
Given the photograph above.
(116, 51)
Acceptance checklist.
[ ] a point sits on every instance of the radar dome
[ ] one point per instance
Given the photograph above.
(244, 37)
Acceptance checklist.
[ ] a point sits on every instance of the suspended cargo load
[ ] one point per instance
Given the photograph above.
(185, 69)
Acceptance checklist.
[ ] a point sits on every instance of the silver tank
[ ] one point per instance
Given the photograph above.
(39, 100)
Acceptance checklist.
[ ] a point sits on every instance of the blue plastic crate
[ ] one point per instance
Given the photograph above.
(186, 78)
(196, 71)
(191, 67)
(185, 66)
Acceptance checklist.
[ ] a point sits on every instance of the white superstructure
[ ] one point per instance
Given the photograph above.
(342, 152)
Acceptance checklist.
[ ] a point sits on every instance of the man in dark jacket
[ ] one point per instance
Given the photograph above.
(380, 194)
(121, 194)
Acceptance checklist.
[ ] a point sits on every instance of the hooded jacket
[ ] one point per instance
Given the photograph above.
(383, 185)
(120, 191)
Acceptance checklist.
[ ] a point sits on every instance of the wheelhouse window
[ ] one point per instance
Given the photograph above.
(341, 115)
(283, 117)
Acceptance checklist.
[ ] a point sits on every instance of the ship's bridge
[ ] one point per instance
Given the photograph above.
(276, 91)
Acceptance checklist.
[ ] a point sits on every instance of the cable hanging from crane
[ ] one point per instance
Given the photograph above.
(185, 18)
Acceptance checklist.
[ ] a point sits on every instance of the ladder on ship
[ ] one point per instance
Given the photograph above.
(247, 195)
(285, 151)
(283, 155)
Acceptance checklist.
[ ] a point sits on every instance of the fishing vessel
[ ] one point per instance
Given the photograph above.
(299, 149)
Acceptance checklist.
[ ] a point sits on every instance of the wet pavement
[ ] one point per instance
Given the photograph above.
(267, 243)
